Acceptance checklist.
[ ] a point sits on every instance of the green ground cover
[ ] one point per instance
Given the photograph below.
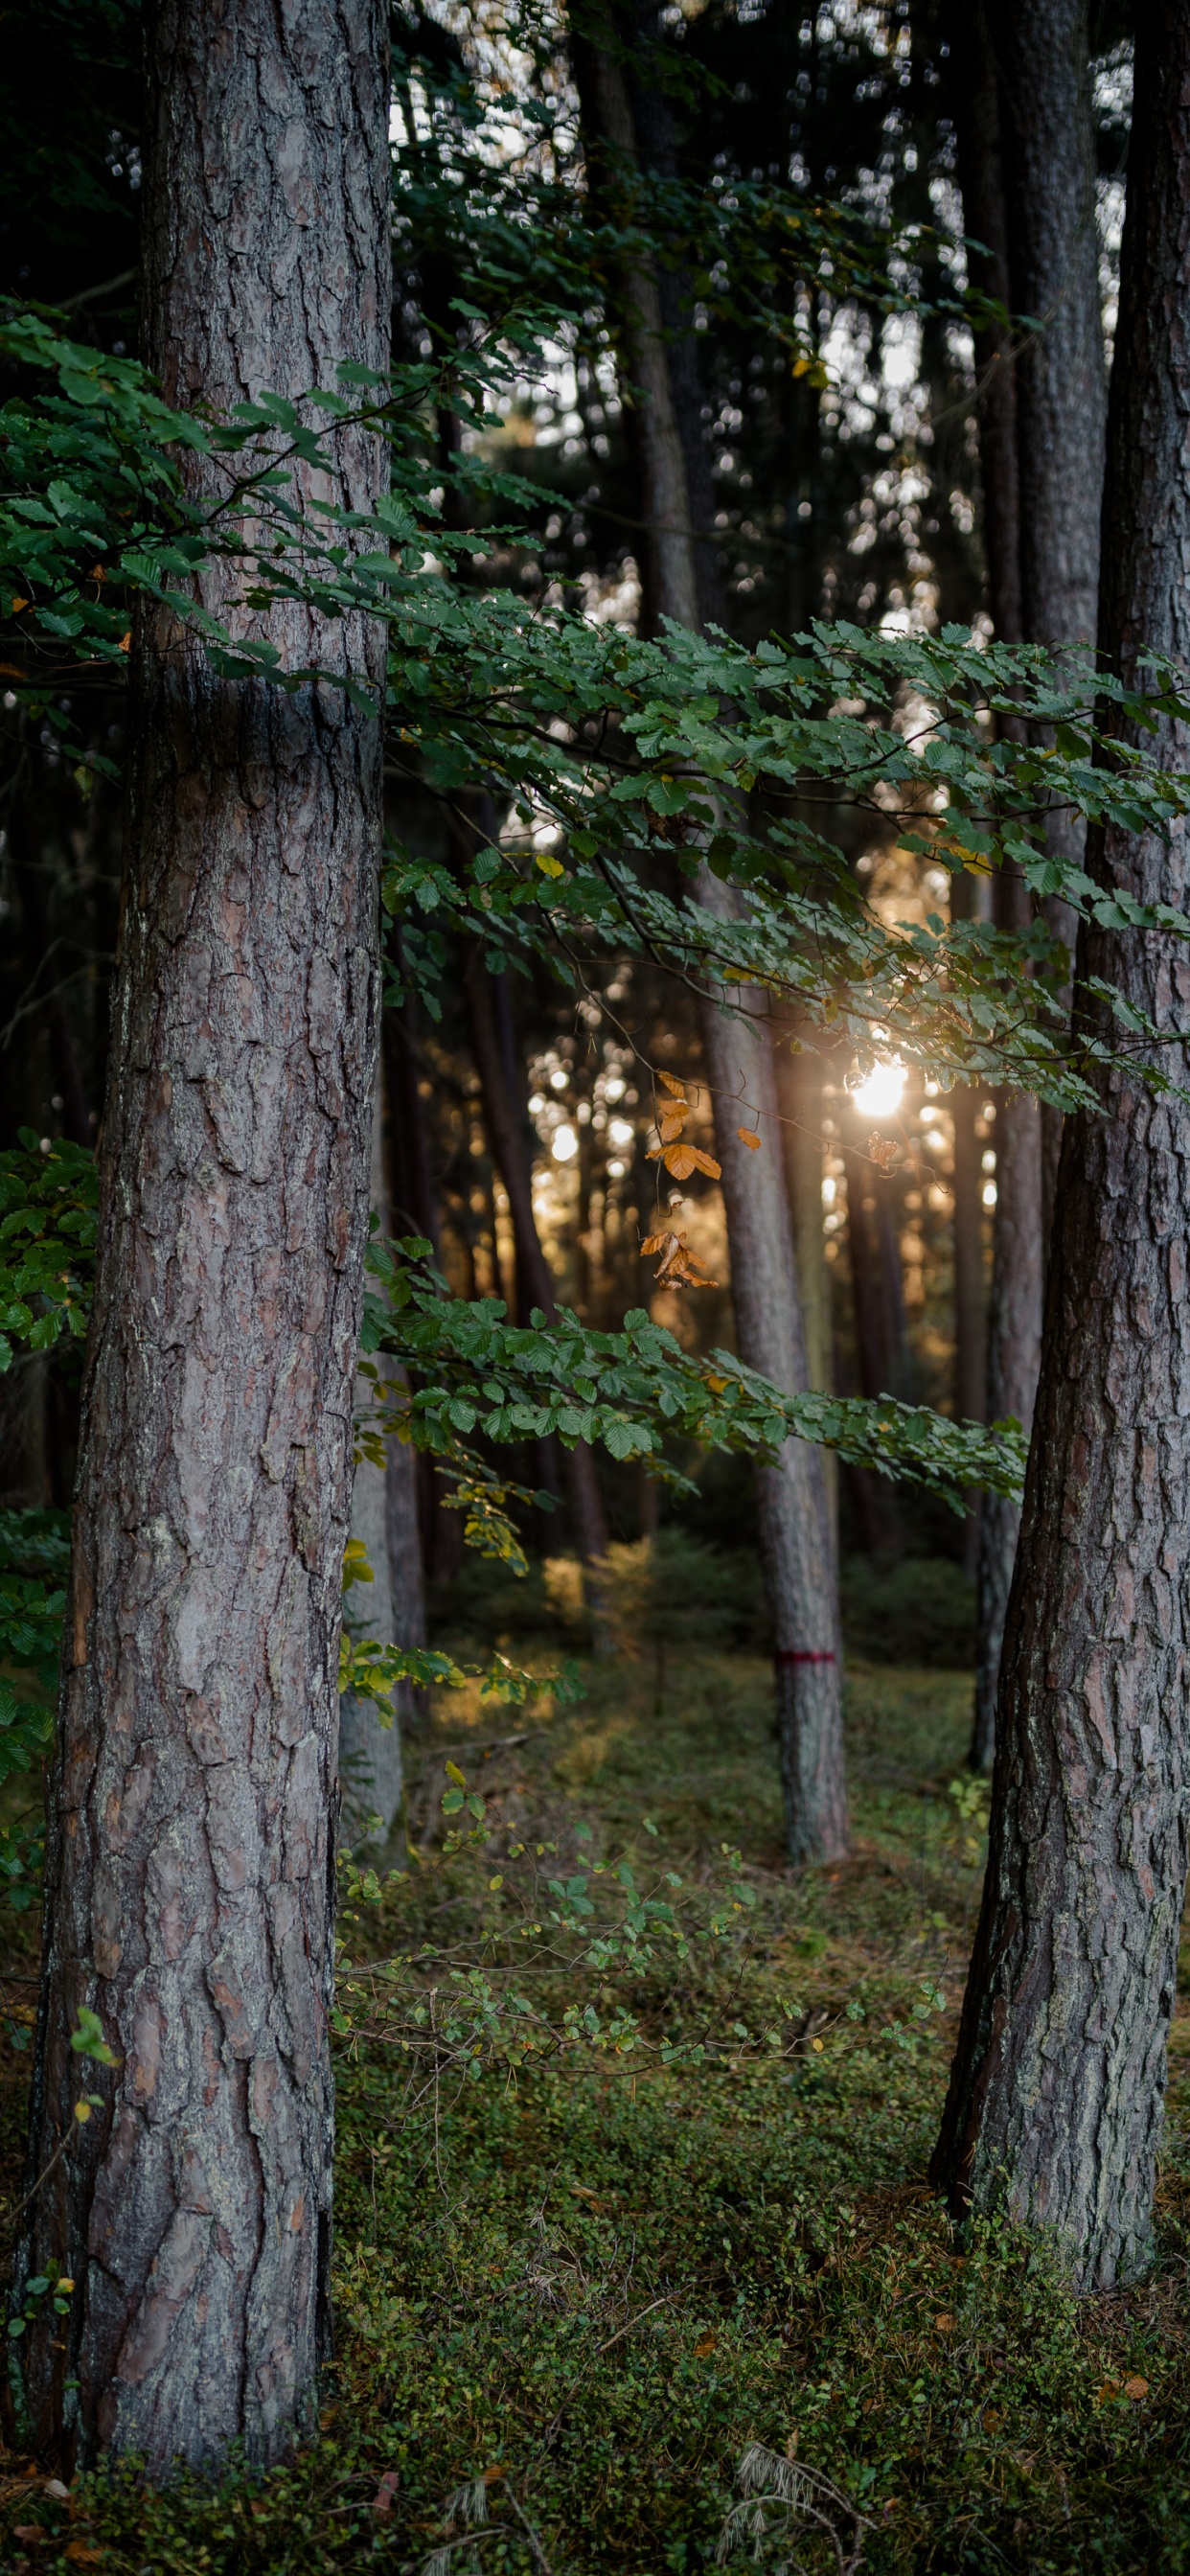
(570, 2297)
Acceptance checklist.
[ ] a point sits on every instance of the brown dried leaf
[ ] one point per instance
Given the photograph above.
(706, 1163)
(671, 1120)
(748, 1137)
(653, 1243)
(1136, 2388)
(706, 2343)
(883, 1151)
(680, 1160)
(672, 1083)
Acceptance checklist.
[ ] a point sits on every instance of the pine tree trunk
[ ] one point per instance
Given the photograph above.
(371, 1767)
(1057, 2092)
(1049, 143)
(1014, 1356)
(796, 1538)
(974, 102)
(970, 1330)
(800, 1091)
(795, 1529)
(190, 1873)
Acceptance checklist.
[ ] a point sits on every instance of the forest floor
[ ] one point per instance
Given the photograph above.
(581, 2293)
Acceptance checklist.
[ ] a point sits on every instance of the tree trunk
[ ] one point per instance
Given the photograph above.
(535, 1286)
(795, 1529)
(879, 1337)
(1049, 140)
(190, 1872)
(1014, 1354)
(975, 108)
(970, 1331)
(1057, 2092)
(383, 1504)
(799, 1087)
(796, 1537)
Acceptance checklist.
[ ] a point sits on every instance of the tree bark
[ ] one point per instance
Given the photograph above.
(1014, 1357)
(796, 1537)
(190, 1872)
(384, 1520)
(1049, 138)
(1057, 2092)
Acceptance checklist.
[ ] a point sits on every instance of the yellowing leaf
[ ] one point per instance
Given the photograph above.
(453, 1773)
(748, 1137)
(550, 867)
(126, 642)
(17, 606)
(82, 2113)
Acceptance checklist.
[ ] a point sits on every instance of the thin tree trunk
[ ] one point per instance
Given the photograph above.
(535, 1286)
(795, 1530)
(1043, 52)
(975, 108)
(800, 1089)
(1014, 1355)
(878, 1337)
(970, 1323)
(190, 1872)
(796, 1537)
(1056, 2097)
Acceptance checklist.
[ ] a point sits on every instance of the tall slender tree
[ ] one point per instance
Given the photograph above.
(1021, 105)
(625, 128)
(1046, 105)
(190, 1872)
(1056, 2095)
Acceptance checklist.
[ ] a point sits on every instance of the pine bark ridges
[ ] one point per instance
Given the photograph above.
(190, 1873)
(1056, 2097)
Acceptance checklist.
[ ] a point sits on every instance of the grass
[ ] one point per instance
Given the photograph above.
(580, 2295)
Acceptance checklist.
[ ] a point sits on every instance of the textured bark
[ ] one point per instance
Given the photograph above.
(1014, 1356)
(370, 1755)
(1049, 143)
(1057, 2092)
(535, 1286)
(190, 1874)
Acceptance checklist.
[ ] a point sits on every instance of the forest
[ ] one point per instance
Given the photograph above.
(594, 1286)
